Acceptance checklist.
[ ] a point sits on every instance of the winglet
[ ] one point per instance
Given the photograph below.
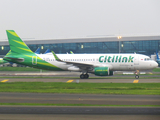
(56, 57)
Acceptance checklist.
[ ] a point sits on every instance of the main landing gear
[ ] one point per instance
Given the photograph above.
(84, 76)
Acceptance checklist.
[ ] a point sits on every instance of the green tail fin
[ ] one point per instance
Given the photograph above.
(16, 44)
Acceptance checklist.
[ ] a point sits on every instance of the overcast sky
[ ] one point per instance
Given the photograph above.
(52, 19)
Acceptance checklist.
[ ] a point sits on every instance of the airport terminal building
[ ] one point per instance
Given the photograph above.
(122, 44)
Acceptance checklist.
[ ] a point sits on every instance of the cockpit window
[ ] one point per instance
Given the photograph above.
(146, 59)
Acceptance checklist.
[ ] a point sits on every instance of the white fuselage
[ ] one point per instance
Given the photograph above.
(115, 62)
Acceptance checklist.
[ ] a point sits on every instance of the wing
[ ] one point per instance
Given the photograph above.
(82, 66)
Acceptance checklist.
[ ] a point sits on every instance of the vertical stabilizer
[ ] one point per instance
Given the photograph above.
(37, 51)
(157, 57)
(16, 44)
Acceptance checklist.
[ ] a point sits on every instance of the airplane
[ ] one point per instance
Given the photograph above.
(37, 51)
(98, 64)
(47, 51)
(157, 59)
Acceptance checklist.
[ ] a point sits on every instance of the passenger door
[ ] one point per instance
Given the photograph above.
(34, 60)
(136, 62)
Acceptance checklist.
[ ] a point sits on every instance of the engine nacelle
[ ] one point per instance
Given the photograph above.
(102, 71)
(73, 68)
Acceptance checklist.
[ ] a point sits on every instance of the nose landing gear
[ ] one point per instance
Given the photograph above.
(136, 74)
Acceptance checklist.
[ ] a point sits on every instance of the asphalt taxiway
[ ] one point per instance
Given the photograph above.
(8, 79)
(79, 99)
(74, 74)
(76, 117)
(80, 110)
(8, 112)
(78, 113)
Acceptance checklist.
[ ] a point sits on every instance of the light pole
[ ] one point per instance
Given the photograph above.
(119, 37)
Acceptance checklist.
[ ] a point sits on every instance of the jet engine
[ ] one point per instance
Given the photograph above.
(103, 71)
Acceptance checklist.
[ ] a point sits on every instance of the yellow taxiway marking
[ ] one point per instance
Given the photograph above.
(150, 73)
(135, 81)
(69, 81)
(4, 80)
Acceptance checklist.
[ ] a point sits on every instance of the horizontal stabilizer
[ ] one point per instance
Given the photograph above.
(14, 58)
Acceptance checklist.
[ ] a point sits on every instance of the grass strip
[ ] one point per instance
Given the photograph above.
(82, 88)
(156, 70)
(47, 104)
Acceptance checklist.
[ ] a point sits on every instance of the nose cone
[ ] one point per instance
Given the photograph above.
(155, 64)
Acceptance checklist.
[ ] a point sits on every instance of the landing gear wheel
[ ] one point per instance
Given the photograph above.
(136, 76)
(82, 76)
(86, 76)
